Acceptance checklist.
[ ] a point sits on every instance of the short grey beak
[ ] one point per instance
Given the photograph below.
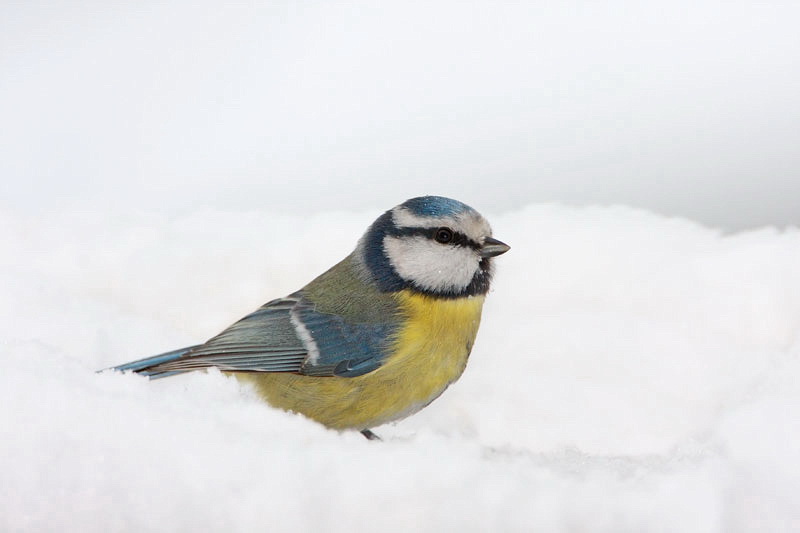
(492, 247)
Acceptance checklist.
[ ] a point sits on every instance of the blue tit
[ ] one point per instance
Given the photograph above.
(374, 339)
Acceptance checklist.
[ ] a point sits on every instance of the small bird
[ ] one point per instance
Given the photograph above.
(374, 339)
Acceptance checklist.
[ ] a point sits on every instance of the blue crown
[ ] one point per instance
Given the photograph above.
(435, 206)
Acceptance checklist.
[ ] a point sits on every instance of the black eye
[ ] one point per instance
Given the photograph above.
(443, 235)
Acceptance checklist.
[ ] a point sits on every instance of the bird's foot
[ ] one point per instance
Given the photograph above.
(370, 435)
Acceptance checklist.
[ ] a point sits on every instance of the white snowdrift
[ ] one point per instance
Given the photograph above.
(632, 373)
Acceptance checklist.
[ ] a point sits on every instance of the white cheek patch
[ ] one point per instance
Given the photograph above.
(431, 265)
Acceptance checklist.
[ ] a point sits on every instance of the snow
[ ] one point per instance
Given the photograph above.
(633, 373)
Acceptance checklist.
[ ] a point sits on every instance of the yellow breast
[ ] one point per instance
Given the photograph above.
(430, 352)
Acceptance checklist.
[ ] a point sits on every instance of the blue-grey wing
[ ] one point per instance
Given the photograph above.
(338, 346)
(284, 335)
(263, 341)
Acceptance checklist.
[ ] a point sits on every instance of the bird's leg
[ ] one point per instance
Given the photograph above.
(370, 435)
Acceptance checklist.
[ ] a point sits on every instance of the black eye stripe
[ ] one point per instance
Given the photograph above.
(459, 239)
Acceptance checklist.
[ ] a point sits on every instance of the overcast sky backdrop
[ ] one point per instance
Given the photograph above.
(684, 108)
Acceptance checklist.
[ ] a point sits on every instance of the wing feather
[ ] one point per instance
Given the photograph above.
(263, 341)
(268, 340)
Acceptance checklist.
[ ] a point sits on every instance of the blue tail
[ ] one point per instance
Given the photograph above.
(145, 366)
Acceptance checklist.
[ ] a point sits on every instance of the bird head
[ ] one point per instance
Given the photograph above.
(433, 245)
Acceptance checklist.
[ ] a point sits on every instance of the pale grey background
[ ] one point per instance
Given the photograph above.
(684, 108)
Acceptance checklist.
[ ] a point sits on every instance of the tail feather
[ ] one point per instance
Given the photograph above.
(147, 366)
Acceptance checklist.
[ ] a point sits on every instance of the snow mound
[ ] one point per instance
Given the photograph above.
(632, 373)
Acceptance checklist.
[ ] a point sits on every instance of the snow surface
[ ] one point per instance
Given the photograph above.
(633, 373)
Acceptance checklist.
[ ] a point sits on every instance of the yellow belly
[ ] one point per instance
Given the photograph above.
(430, 352)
